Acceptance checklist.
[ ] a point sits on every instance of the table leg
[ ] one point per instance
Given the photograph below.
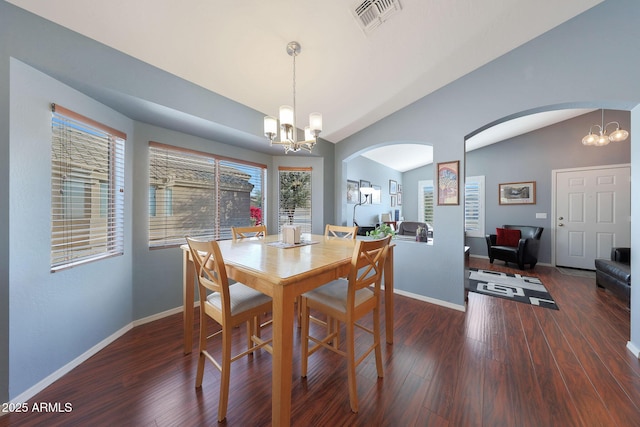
(188, 293)
(283, 314)
(388, 295)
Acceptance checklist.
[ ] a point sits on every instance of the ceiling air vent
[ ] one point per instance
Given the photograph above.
(372, 13)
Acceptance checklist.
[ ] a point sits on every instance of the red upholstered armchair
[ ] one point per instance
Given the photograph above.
(518, 244)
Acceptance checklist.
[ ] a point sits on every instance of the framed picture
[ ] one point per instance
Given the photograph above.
(364, 184)
(393, 201)
(448, 183)
(399, 196)
(353, 191)
(393, 187)
(376, 196)
(517, 193)
(399, 188)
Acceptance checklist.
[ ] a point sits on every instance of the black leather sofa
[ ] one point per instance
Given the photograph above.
(524, 252)
(615, 274)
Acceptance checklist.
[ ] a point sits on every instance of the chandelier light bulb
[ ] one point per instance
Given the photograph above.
(618, 135)
(590, 139)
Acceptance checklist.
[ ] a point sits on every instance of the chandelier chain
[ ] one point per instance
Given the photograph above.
(294, 96)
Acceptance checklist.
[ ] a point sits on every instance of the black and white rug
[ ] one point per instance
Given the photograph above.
(516, 287)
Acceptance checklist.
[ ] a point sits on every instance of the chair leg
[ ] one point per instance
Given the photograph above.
(351, 367)
(202, 346)
(251, 328)
(304, 345)
(225, 374)
(376, 341)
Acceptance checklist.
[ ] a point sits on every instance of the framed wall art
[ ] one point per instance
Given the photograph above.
(448, 183)
(517, 193)
(353, 191)
(393, 186)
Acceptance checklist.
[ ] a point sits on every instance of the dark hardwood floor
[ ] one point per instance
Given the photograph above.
(501, 363)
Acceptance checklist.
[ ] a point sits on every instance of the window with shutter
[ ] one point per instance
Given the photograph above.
(425, 201)
(474, 206)
(198, 194)
(87, 190)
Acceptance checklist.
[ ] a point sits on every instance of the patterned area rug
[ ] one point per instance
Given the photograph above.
(516, 287)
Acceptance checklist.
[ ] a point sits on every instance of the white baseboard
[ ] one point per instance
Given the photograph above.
(633, 349)
(430, 300)
(47, 381)
(546, 264)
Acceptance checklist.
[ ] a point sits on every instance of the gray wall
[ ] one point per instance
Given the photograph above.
(533, 157)
(546, 73)
(365, 169)
(54, 318)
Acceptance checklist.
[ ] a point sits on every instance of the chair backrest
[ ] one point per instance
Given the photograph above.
(408, 228)
(526, 231)
(210, 270)
(245, 232)
(342, 231)
(367, 265)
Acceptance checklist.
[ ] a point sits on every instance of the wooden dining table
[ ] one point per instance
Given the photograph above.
(283, 273)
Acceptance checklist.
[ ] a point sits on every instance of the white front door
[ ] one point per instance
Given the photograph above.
(593, 214)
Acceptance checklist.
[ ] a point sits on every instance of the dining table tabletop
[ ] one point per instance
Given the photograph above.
(283, 271)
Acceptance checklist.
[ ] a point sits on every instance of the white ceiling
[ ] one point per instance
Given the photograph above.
(236, 48)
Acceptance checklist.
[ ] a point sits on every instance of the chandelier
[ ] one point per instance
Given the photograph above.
(602, 138)
(288, 132)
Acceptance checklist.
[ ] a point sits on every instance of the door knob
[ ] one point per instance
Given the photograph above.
(561, 218)
(560, 224)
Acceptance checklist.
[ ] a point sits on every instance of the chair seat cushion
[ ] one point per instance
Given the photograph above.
(334, 295)
(509, 249)
(507, 237)
(242, 298)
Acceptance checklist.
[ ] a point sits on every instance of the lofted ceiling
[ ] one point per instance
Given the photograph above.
(353, 76)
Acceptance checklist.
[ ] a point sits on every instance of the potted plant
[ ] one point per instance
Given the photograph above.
(381, 231)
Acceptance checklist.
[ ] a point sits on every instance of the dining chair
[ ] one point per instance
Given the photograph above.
(343, 232)
(253, 231)
(229, 306)
(349, 302)
(240, 233)
(346, 232)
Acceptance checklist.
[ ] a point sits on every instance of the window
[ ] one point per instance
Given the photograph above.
(87, 190)
(474, 206)
(294, 188)
(201, 195)
(425, 201)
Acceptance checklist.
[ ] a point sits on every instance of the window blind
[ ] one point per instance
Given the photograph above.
(294, 190)
(198, 194)
(87, 189)
(474, 206)
(425, 201)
